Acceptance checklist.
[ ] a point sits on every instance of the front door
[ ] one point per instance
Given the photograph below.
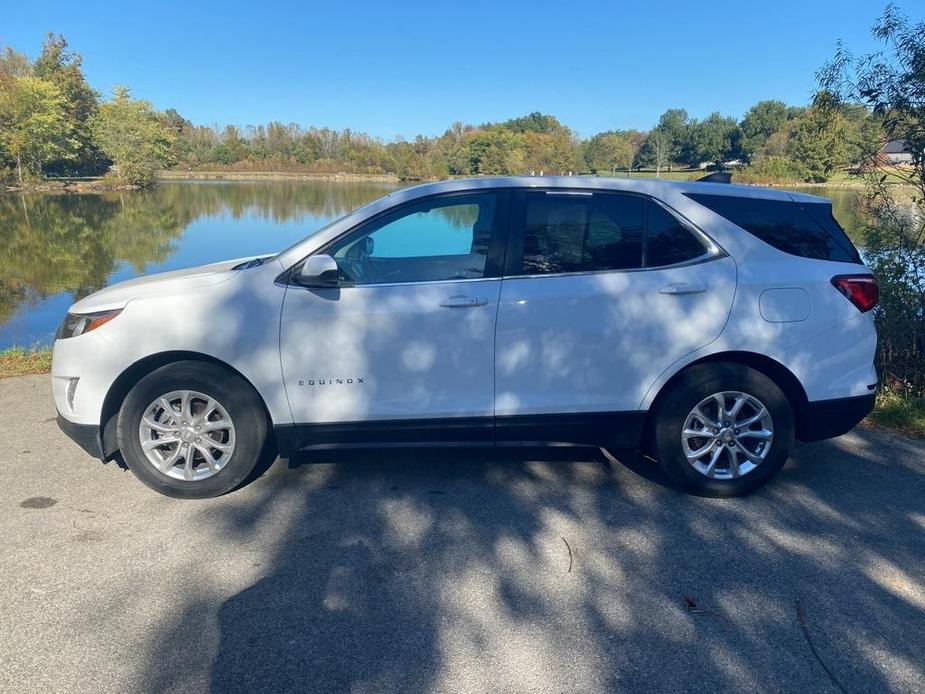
(405, 344)
(602, 293)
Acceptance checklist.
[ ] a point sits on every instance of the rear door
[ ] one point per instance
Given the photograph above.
(602, 292)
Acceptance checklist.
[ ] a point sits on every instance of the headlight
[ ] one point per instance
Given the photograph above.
(79, 323)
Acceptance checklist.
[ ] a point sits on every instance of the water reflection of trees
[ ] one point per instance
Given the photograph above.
(279, 201)
(63, 243)
(53, 244)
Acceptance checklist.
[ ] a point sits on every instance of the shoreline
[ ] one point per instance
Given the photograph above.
(71, 186)
(108, 185)
(171, 175)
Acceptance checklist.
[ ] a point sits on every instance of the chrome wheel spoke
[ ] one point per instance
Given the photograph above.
(737, 407)
(189, 465)
(711, 467)
(720, 400)
(168, 408)
(159, 427)
(185, 406)
(207, 409)
(697, 434)
(223, 447)
(157, 443)
(752, 457)
(757, 417)
(733, 457)
(700, 452)
(207, 455)
(170, 460)
(705, 418)
(761, 434)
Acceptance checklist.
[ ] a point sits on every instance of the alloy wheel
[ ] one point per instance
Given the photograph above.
(727, 435)
(187, 435)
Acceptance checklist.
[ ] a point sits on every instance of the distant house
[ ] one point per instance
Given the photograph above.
(896, 152)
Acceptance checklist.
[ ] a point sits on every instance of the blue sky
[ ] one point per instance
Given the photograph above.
(406, 68)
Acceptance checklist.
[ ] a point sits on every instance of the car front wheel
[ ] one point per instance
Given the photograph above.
(723, 430)
(192, 430)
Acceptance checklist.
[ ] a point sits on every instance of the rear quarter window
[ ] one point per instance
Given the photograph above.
(807, 230)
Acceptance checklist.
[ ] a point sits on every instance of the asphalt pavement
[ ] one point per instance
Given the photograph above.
(439, 570)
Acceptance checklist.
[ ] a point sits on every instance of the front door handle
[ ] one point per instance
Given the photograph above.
(677, 288)
(462, 302)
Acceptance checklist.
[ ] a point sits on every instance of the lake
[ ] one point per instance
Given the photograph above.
(55, 249)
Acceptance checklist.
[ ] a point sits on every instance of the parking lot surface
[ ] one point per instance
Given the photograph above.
(510, 570)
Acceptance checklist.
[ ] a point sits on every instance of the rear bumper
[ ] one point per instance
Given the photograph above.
(87, 436)
(825, 419)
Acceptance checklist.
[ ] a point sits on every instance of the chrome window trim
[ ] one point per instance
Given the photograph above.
(699, 260)
(408, 284)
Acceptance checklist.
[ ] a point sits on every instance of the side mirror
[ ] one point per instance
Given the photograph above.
(318, 271)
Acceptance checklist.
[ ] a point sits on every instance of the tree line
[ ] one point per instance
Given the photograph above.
(53, 123)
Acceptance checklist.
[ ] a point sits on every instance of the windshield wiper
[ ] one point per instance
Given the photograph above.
(252, 263)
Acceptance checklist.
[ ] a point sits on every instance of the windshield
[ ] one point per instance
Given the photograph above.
(327, 226)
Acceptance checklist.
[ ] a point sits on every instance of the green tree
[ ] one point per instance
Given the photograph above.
(34, 127)
(12, 65)
(713, 139)
(655, 151)
(410, 164)
(493, 151)
(535, 122)
(63, 68)
(137, 138)
(761, 121)
(818, 142)
(674, 128)
(611, 151)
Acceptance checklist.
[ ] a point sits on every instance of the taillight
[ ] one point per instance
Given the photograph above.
(860, 290)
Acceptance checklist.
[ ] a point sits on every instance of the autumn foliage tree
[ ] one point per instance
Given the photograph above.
(134, 136)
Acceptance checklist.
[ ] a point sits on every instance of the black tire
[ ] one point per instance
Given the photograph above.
(242, 403)
(691, 387)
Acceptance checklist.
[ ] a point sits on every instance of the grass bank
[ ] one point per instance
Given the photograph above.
(18, 361)
(894, 411)
(899, 412)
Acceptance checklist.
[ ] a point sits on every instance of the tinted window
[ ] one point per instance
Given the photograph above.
(803, 230)
(442, 239)
(821, 214)
(667, 240)
(581, 233)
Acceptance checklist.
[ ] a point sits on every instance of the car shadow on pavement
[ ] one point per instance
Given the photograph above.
(418, 570)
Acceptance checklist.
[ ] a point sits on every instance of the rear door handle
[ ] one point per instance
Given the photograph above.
(683, 288)
(462, 302)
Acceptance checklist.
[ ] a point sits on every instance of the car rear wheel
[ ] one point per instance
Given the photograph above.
(722, 430)
(192, 430)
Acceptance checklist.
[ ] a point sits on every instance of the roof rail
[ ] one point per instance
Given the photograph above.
(717, 177)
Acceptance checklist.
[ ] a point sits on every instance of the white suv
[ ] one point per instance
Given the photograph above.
(706, 323)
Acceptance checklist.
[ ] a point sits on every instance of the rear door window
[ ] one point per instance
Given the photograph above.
(669, 242)
(807, 230)
(584, 232)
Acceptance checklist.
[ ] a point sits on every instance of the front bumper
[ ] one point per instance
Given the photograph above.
(87, 436)
(826, 419)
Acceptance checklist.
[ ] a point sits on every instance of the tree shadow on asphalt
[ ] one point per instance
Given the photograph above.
(413, 570)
